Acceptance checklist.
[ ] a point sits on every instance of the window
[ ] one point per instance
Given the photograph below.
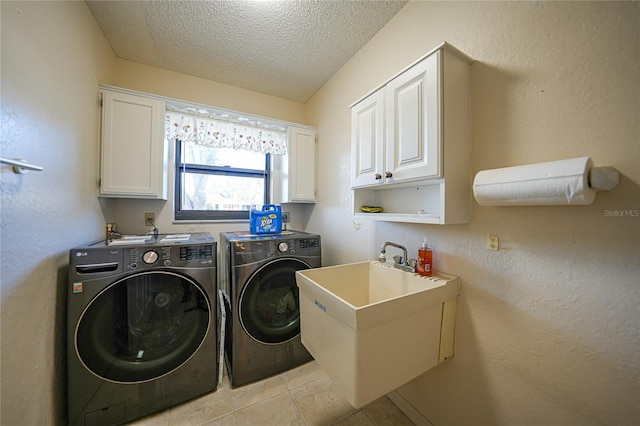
(222, 167)
(219, 183)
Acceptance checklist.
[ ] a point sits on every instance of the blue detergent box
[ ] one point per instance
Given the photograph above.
(266, 221)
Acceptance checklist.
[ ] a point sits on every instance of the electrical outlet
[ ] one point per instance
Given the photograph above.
(285, 217)
(493, 242)
(149, 218)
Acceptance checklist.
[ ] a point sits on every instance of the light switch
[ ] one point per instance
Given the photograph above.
(493, 242)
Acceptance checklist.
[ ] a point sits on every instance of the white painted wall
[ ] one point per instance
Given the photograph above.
(547, 327)
(53, 56)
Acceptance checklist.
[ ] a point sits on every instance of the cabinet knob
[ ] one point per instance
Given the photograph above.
(378, 176)
(388, 174)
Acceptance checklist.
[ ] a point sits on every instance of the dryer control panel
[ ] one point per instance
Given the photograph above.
(257, 250)
(294, 246)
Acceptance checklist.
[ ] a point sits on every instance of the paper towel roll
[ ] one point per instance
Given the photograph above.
(564, 182)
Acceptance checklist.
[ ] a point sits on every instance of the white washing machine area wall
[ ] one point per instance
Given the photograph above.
(141, 327)
(257, 279)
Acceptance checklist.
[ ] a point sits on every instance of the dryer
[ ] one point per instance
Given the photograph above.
(257, 279)
(141, 327)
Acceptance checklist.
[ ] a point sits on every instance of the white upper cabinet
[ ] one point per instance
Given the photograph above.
(294, 174)
(413, 118)
(411, 143)
(367, 141)
(133, 150)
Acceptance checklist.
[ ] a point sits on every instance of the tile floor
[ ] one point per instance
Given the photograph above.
(304, 396)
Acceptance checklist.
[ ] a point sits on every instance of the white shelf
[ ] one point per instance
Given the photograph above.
(400, 217)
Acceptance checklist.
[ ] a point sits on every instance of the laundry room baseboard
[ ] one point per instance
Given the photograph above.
(409, 410)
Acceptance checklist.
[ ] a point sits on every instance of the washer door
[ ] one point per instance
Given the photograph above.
(143, 327)
(269, 303)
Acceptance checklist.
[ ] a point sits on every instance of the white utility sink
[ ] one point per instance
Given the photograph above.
(372, 327)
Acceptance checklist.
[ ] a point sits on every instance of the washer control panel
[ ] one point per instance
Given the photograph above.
(188, 253)
(99, 259)
(176, 256)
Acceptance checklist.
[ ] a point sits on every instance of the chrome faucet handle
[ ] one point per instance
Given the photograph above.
(397, 259)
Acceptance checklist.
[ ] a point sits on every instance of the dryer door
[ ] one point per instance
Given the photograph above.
(269, 303)
(143, 327)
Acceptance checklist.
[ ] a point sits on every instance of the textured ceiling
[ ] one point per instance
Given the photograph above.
(283, 48)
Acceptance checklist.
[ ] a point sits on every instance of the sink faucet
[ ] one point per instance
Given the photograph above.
(399, 262)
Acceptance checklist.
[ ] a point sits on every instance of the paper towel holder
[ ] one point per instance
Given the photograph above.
(564, 182)
(603, 178)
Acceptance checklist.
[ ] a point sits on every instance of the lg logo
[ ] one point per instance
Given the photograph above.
(81, 254)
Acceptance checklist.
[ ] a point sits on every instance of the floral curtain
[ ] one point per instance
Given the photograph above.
(219, 133)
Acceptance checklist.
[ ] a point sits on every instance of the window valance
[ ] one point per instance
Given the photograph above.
(206, 128)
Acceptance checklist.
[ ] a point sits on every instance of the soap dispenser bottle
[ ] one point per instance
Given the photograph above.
(425, 260)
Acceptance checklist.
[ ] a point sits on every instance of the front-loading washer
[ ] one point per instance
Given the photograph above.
(257, 280)
(141, 326)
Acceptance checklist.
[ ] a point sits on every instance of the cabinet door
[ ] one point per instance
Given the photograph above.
(302, 159)
(294, 175)
(133, 152)
(367, 141)
(413, 123)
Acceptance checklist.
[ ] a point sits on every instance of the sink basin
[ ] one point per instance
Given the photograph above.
(372, 327)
